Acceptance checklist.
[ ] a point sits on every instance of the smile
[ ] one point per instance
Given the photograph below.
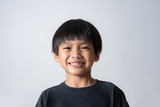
(76, 64)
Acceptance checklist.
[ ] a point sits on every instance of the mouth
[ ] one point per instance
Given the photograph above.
(76, 64)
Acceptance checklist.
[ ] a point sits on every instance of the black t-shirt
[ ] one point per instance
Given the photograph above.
(101, 94)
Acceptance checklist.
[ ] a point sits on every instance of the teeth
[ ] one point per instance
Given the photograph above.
(76, 63)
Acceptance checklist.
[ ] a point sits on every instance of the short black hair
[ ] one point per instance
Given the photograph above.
(77, 29)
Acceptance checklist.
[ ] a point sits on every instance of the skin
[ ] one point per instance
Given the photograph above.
(77, 57)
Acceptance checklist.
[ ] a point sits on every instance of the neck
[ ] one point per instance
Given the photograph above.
(79, 81)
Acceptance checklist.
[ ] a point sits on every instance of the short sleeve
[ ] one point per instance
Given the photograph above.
(41, 101)
(119, 98)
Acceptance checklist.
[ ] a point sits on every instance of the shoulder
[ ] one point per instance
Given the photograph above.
(52, 89)
(47, 94)
(110, 87)
(114, 92)
(50, 92)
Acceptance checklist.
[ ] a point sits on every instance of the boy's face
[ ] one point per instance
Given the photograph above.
(76, 57)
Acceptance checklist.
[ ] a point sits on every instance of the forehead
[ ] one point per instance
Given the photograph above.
(76, 41)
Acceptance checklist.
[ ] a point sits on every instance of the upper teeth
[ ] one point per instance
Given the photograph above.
(75, 63)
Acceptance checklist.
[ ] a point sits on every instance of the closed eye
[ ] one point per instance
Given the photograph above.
(84, 47)
(66, 48)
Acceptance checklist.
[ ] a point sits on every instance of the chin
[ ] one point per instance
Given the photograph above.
(78, 73)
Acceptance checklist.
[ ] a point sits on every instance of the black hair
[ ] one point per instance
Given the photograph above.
(77, 29)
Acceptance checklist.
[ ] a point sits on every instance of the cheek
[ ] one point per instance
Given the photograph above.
(63, 56)
(90, 57)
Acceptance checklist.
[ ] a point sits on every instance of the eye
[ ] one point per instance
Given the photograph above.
(84, 47)
(67, 48)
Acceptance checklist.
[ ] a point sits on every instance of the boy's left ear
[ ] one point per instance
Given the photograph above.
(97, 57)
(56, 58)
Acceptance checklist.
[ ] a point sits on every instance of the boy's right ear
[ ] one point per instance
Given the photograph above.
(56, 57)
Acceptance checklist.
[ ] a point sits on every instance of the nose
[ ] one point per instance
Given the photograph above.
(76, 53)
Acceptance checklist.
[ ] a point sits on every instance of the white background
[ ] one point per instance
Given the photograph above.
(130, 58)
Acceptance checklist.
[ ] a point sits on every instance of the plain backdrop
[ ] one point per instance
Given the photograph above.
(130, 58)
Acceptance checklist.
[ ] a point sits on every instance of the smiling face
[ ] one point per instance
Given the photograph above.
(76, 57)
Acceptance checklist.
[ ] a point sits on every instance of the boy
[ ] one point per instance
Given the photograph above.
(76, 46)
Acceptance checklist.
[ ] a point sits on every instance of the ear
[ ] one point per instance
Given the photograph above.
(97, 57)
(56, 57)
